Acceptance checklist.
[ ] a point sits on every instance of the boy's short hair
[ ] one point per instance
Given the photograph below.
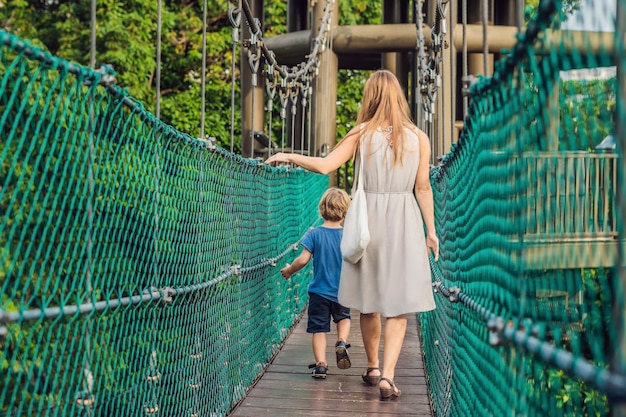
(334, 204)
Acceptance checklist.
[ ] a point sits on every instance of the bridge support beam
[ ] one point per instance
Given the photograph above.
(368, 39)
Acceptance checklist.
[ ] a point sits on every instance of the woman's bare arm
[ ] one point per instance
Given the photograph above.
(424, 194)
(337, 157)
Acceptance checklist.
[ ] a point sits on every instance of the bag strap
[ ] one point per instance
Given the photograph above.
(359, 183)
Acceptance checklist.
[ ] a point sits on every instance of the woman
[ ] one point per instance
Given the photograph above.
(393, 276)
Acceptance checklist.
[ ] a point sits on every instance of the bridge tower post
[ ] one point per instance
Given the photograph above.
(394, 12)
(324, 108)
(252, 101)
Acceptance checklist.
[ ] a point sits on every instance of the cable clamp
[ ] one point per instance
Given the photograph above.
(454, 294)
(495, 326)
(209, 142)
(3, 321)
(84, 399)
(107, 73)
(167, 295)
(468, 81)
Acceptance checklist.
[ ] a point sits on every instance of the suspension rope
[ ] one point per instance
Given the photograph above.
(234, 15)
(430, 79)
(292, 76)
(464, 79)
(270, 92)
(452, 70)
(485, 16)
(283, 95)
(524, 335)
(421, 61)
(203, 77)
(294, 91)
(85, 397)
(304, 89)
(310, 93)
(154, 375)
(298, 70)
(327, 42)
(254, 60)
(157, 110)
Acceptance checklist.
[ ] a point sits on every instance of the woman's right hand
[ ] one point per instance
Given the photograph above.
(277, 158)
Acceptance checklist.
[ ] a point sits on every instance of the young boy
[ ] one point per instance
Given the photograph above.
(322, 243)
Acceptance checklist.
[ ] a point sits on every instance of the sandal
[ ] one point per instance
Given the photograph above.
(319, 370)
(387, 394)
(371, 380)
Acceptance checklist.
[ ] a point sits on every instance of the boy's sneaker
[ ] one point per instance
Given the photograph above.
(343, 360)
(319, 370)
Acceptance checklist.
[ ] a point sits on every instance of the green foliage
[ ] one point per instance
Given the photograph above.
(587, 112)
(126, 39)
(567, 8)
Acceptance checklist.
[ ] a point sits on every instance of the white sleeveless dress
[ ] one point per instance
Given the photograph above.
(393, 277)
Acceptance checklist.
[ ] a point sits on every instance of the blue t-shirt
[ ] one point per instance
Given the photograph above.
(324, 244)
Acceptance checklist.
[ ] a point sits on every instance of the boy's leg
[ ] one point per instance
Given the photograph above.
(343, 330)
(319, 348)
(319, 325)
(341, 316)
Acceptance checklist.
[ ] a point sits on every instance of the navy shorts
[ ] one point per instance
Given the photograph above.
(320, 310)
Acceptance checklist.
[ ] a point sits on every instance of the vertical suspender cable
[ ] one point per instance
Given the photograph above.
(235, 19)
(452, 68)
(270, 89)
(308, 109)
(196, 352)
(465, 98)
(293, 97)
(485, 16)
(157, 111)
(203, 83)
(153, 376)
(87, 375)
(303, 92)
(329, 43)
(421, 65)
(92, 36)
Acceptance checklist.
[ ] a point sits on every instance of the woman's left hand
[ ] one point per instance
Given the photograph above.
(432, 242)
(277, 158)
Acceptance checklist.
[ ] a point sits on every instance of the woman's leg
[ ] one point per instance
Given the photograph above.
(370, 330)
(395, 329)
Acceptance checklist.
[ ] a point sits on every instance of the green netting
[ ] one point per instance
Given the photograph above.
(530, 312)
(138, 265)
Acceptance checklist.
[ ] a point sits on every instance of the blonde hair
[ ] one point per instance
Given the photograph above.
(384, 102)
(334, 204)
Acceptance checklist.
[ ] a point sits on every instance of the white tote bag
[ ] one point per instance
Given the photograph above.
(356, 233)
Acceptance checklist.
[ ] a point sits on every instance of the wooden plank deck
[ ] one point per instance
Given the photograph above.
(287, 388)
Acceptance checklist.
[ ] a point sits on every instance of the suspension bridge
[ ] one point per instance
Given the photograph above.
(140, 265)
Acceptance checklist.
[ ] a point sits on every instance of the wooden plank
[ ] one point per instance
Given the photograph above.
(287, 388)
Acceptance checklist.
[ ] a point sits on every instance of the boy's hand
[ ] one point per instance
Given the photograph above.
(286, 271)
